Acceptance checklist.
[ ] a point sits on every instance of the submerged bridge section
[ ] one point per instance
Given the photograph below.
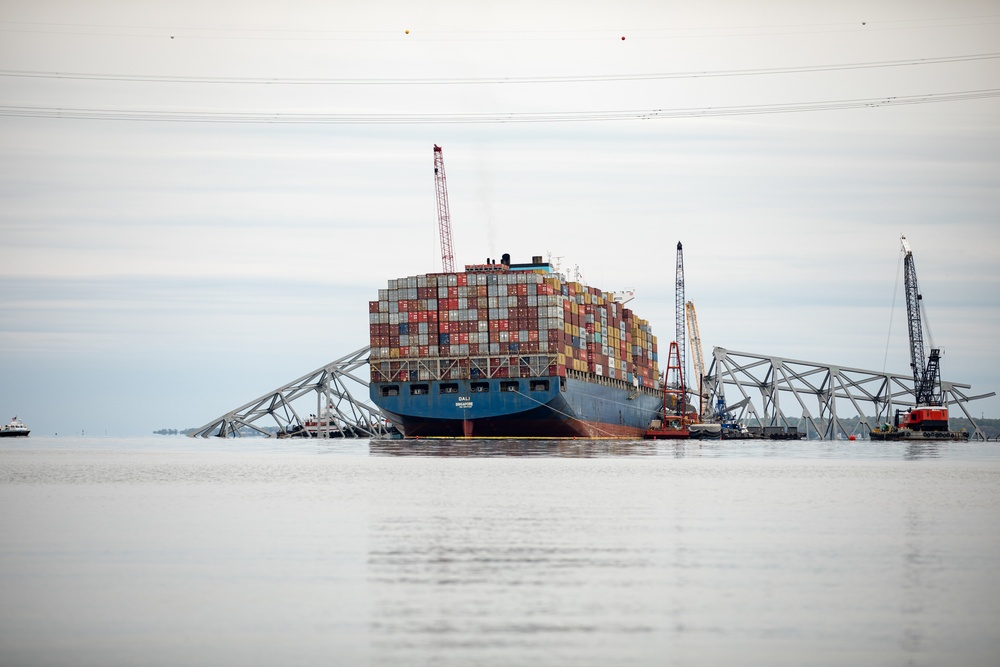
(335, 413)
(762, 390)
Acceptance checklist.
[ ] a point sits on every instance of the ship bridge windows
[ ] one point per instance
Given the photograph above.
(390, 390)
(480, 387)
(539, 385)
(512, 385)
(418, 389)
(448, 388)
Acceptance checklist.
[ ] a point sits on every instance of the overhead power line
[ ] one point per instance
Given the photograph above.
(520, 34)
(587, 78)
(196, 116)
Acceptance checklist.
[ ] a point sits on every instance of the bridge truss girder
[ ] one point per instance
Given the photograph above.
(772, 380)
(345, 416)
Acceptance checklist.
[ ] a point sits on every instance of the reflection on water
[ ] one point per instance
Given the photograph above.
(504, 448)
(573, 448)
(916, 451)
(493, 552)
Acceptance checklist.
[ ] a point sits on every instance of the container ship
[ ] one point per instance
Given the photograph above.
(512, 351)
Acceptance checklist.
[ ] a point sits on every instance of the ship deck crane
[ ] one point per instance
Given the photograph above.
(443, 213)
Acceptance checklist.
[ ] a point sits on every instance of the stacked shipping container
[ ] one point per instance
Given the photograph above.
(495, 322)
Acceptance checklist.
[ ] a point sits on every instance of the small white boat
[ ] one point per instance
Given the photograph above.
(14, 429)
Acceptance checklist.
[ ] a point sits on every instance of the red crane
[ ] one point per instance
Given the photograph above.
(444, 216)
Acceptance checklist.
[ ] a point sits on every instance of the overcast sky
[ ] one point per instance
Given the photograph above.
(158, 272)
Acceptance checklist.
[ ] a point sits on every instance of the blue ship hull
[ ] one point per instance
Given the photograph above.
(536, 407)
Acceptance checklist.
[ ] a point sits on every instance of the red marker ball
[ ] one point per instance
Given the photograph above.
(623, 38)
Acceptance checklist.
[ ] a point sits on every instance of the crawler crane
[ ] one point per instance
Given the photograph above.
(928, 419)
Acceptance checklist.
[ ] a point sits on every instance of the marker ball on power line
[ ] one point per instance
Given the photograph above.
(407, 32)
(623, 38)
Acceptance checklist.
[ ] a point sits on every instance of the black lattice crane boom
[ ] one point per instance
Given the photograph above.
(444, 215)
(928, 415)
(926, 372)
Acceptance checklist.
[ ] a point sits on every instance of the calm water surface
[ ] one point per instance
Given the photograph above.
(169, 551)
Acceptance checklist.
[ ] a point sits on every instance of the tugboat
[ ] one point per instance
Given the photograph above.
(14, 429)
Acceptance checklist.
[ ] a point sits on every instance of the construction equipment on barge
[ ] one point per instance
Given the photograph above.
(928, 419)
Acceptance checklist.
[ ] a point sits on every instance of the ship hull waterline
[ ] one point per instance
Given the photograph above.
(539, 407)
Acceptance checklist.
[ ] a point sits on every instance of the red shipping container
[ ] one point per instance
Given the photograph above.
(373, 306)
(463, 280)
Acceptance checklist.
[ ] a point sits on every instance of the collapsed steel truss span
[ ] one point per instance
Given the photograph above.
(340, 415)
(872, 395)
